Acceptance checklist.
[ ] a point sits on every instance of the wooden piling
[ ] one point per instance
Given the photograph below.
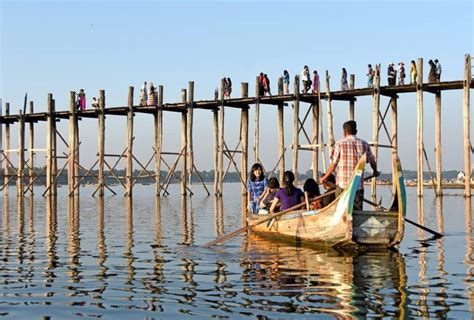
(6, 166)
(101, 142)
(31, 154)
(21, 155)
(189, 121)
(244, 134)
(375, 127)
(158, 119)
(49, 144)
(54, 172)
(330, 128)
(256, 124)
(466, 125)
(352, 101)
(281, 132)
(315, 138)
(72, 143)
(215, 117)
(221, 141)
(183, 146)
(394, 128)
(438, 147)
(129, 153)
(419, 127)
(296, 114)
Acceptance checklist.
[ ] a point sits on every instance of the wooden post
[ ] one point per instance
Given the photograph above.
(296, 114)
(21, 154)
(352, 101)
(320, 137)
(375, 127)
(256, 125)
(280, 86)
(49, 144)
(101, 142)
(281, 132)
(190, 135)
(6, 153)
(221, 141)
(315, 138)
(244, 133)
(129, 153)
(158, 118)
(215, 114)
(466, 125)
(438, 148)
(183, 145)
(72, 143)
(54, 171)
(331, 140)
(419, 127)
(394, 126)
(31, 154)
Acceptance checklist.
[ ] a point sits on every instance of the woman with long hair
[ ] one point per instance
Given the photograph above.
(256, 185)
(289, 195)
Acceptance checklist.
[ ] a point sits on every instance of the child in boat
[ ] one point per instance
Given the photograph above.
(256, 185)
(329, 185)
(269, 195)
(289, 195)
(311, 189)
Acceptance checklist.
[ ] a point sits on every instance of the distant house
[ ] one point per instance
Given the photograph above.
(461, 176)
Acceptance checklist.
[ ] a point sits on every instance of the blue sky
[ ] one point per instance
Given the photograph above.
(61, 46)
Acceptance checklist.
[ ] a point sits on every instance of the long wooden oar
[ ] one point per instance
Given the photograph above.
(436, 234)
(270, 217)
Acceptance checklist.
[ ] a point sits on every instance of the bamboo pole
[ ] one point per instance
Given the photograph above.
(419, 127)
(158, 118)
(296, 114)
(438, 147)
(21, 155)
(315, 138)
(352, 101)
(5, 153)
(215, 114)
(466, 125)
(31, 145)
(183, 146)
(330, 128)
(101, 142)
(256, 123)
(72, 143)
(244, 133)
(221, 141)
(375, 126)
(129, 153)
(190, 135)
(49, 144)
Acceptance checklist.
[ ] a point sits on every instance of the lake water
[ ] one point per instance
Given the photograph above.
(118, 258)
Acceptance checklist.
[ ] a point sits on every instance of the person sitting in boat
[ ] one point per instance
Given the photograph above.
(311, 190)
(269, 195)
(256, 185)
(289, 195)
(329, 185)
(344, 159)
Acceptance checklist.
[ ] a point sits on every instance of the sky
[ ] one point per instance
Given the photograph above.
(62, 46)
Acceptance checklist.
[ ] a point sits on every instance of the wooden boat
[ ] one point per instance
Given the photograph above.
(338, 225)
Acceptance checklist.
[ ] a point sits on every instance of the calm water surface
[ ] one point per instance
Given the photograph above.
(118, 258)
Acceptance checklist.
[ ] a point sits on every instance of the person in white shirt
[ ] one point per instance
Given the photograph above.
(143, 95)
(438, 70)
(305, 79)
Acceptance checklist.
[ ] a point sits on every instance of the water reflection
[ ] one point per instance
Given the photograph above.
(469, 259)
(51, 238)
(101, 244)
(323, 282)
(187, 223)
(128, 254)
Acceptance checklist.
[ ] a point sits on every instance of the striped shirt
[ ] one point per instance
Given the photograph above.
(346, 155)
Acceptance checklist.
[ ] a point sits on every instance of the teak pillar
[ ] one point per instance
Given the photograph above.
(466, 125)
(296, 114)
(101, 142)
(244, 134)
(129, 153)
(438, 147)
(21, 154)
(72, 144)
(281, 133)
(31, 154)
(375, 128)
(256, 123)
(183, 145)
(352, 101)
(158, 119)
(215, 117)
(419, 127)
(394, 137)
(330, 128)
(49, 144)
(6, 174)
(220, 158)
(315, 138)
(189, 132)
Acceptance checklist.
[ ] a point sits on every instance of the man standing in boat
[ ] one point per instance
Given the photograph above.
(344, 158)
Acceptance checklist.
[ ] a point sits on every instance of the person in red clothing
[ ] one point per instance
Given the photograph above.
(344, 158)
